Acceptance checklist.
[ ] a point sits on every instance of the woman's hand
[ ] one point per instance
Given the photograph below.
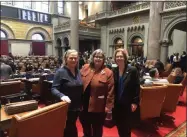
(133, 107)
(66, 99)
(106, 110)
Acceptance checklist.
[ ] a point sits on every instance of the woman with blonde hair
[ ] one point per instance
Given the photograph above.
(98, 94)
(67, 86)
(126, 90)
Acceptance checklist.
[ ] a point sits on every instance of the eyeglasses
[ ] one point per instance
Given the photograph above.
(98, 57)
(119, 57)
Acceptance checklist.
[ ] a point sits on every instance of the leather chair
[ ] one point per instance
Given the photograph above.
(49, 121)
(184, 83)
(171, 78)
(168, 68)
(151, 101)
(172, 96)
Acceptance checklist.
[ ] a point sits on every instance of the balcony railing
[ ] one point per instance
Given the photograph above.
(171, 5)
(133, 8)
(66, 27)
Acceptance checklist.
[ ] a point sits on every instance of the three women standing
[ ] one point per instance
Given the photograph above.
(96, 90)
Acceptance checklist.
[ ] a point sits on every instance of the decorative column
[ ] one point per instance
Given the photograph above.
(74, 25)
(53, 7)
(103, 44)
(53, 10)
(154, 30)
(164, 50)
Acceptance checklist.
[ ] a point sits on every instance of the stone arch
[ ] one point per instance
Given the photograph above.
(39, 30)
(64, 37)
(115, 37)
(135, 48)
(9, 32)
(135, 35)
(58, 42)
(171, 24)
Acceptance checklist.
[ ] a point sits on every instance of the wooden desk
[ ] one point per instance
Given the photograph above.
(5, 119)
(32, 79)
(46, 94)
(28, 84)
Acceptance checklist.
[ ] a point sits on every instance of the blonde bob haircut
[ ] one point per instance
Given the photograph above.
(124, 52)
(66, 55)
(97, 51)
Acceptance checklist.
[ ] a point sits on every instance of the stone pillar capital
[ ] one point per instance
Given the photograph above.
(165, 42)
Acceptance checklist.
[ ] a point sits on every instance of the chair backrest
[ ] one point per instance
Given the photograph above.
(8, 88)
(184, 81)
(168, 69)
(49, 121)
(172, 96)
(171, 78)
(151, 101)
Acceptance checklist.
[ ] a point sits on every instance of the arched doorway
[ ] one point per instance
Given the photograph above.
(4, 43)
(59, 47)
(118, 43)
(38, 44)
(177, 36)
(66, 44)
(137, 46)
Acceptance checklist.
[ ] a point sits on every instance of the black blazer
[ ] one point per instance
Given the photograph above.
(131, 89)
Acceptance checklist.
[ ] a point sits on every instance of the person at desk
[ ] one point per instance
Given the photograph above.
(127, 90)
(98, 94)
(67, 86)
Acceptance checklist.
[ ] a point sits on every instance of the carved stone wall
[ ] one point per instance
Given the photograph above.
(174, 4)
(129, 20)
(126, 33)
(169, 19)
(116, 33)
(133, 31)
(61, 36)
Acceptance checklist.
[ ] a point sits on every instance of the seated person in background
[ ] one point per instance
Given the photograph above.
(179, 75)
(154, 74)
(5, 70)
(160, 66)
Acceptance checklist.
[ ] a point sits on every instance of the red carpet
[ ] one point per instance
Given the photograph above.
(150, 128)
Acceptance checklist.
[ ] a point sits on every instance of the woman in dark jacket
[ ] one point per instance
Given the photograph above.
(127, 89)
(67, 86)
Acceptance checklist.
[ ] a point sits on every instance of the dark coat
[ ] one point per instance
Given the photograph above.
(65, 84)
(131, 89)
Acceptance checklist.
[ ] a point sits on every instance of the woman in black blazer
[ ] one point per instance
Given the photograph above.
(127, 89)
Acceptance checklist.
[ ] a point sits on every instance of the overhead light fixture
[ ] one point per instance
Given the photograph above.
(80, 2)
